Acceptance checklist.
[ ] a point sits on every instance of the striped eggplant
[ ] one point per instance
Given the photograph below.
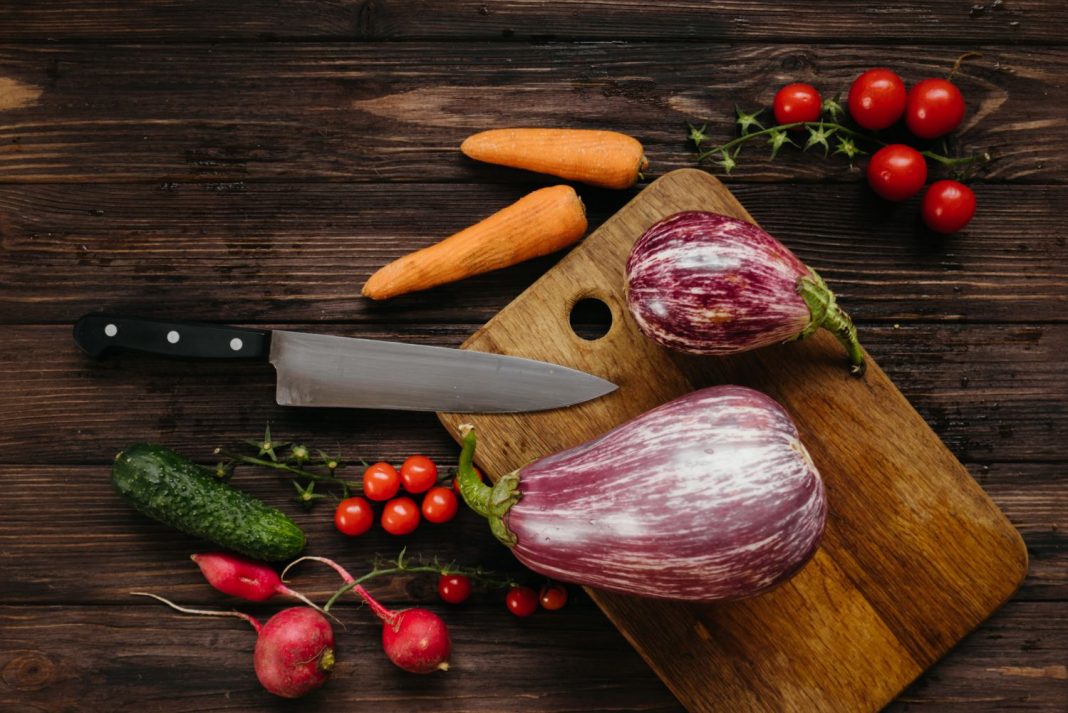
(710, 496)
(706, 283)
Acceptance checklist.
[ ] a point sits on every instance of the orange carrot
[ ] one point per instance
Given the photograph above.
(600, 158)
(537, 224)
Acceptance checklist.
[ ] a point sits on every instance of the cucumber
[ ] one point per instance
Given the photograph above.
(176, 491)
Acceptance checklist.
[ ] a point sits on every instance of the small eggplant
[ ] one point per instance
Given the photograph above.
(706, 283)
(710, 496)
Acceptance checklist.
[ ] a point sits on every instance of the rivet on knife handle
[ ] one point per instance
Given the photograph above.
(100, 333)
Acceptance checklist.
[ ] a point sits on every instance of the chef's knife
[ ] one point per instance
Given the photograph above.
(323, 370)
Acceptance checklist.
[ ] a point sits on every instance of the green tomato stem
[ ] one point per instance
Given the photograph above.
(839, 128)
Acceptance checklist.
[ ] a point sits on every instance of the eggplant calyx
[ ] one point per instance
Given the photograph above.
(826, 314)
(492, 503)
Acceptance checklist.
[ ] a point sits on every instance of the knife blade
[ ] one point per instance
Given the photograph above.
(332, 371)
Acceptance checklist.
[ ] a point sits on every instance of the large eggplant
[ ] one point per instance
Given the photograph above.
(706, 283)
(710, 496)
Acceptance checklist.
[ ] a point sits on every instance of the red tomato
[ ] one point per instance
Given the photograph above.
(797, 102)
(418, 474)
(948, 206)
(353, 516)
(380, 481)
(877, 99)
(456, 481)
(553, 596)
(400, 516)
(521, 601)
(439, 505)
(897, 172)
(935, 107)
(454, 588)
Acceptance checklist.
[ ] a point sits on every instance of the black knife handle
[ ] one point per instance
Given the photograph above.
(99, 333)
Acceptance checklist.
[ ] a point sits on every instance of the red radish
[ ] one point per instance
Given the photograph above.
(244, 578)
(416, 639)
(294, 650)
(710, 496)
(706, 283)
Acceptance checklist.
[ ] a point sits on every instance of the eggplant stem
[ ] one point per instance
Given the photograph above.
(826, 314)
(492, 503)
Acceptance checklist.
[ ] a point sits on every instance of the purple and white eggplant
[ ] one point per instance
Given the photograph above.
(706, 283)
(710, 496)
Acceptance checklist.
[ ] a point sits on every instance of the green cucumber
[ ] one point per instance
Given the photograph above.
(176, 491)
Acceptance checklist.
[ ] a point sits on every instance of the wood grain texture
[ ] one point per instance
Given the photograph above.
(127, 656)
(129, 550)
(353, 113)
(300, 252)
(112, 658)
(991, 392)
(316, 162)
(943, 22)
(906, 522)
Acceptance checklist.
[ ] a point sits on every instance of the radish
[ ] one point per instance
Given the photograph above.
(705, 283)
(710, 496)
(244, 578)
(416, 639)
(294, 650)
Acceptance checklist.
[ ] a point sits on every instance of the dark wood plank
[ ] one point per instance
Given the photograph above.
(143, 655)
(946, 22)
(991, 392)
(299, 252)
(398, 112)
(80, 525)
(1034, 496)
(113, 658)
(1014, 662)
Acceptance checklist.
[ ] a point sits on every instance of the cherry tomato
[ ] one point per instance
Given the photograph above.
(456, 481)
(897, 172)
(400, 516)
(521, 601)
(353, 516)
(877, 99)
(439, 505)
(380, 482)
(454, 588)
(934, 108)
(797, 102)
(418, 474)
(553, 596)
(948, 206)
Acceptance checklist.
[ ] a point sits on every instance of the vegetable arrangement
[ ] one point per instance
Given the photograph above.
(877, 100)
(381, 482)
(705, 283)
(294, 651)
(745, 508)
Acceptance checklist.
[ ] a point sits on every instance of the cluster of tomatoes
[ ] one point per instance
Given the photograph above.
(400, 514)
(877, 100)
(521, 600)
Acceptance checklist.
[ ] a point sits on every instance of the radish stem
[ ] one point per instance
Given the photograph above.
(202, 612)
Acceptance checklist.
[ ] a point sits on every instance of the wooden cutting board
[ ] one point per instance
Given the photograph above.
(914, 557)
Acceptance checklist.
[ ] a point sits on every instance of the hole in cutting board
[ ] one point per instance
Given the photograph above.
(590, 318)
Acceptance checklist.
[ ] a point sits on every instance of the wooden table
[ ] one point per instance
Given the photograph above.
(253, 163)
